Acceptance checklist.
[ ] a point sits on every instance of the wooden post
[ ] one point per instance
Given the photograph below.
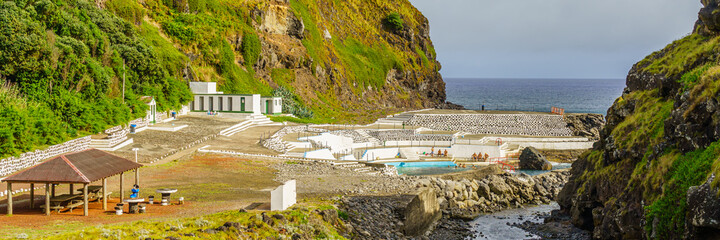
(32, 195)
(10, 200)
(85, 199)
(47, 199)
(137, 176)
(72, 187)
(104, 193)
(121, 186)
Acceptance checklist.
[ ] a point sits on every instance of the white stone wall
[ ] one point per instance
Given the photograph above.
(13, 164)
(283, 196)
(501, 124)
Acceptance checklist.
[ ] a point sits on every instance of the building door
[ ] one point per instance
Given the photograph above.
(242, 104)
(220, 102)
(267, 106)
(230, 104)
(210, 100)
(202, 103)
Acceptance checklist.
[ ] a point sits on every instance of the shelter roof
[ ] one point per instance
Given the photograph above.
(80, 167)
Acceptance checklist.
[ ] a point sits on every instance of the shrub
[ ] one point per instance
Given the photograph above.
(394, 21)
(250, 49)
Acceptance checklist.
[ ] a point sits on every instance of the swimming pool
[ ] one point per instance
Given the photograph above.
(425, 168)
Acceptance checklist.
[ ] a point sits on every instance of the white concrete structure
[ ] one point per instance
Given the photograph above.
(283, 196)
(204, 88)
(271, 105)
(152, 108)
(238, 103)
(323, 154)
(207, 98)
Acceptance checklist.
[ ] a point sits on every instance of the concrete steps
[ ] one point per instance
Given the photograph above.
(409, 154)
(252, 120)
(102, 144)
(236, 128)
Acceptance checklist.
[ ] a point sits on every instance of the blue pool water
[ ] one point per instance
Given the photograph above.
(425, 168)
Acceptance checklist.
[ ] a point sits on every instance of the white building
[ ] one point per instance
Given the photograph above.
(271, 105)
(207, 98)
(151, 113)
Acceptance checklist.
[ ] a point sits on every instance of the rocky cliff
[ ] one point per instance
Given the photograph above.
(330, 60)
(660, 140)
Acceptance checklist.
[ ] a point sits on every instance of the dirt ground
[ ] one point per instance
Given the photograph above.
(153, 143)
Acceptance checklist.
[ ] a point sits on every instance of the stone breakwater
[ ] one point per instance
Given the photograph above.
(469, 197)
(505, 124)
(383, 217)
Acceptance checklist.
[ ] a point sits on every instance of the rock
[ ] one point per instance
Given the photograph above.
(329, 216)
(702, 220)
(708, 18)
(267, 219)
(585, 125)
(532, 159)
(483, 190)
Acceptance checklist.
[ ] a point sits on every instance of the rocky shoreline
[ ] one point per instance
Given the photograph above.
(379, 217)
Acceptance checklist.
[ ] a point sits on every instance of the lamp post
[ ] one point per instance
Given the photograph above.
(137, 170)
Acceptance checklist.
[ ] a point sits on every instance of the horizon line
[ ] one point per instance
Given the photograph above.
(537, 78)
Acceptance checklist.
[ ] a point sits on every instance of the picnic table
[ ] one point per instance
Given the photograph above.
(133, 204)
(165, 192)
(63, 201)
(93, 191)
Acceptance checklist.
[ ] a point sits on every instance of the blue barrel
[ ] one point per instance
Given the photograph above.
(132, 128)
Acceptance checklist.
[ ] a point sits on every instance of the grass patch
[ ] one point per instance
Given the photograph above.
(690, 169)
(370, 64)
(300, 220)
(646, 124)
(680, 54)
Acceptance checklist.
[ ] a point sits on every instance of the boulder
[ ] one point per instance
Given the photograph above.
(703, 212)
(532, 159)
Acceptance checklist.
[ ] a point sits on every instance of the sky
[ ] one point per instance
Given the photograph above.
(552, 38)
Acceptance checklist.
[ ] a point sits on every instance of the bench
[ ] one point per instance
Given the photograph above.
(100, 196)
(53, 208)
(75, 204)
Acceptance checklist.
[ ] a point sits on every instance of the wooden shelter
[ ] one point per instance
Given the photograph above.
(82, 167)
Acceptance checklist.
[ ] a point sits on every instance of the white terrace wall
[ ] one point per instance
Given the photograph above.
(29, 159)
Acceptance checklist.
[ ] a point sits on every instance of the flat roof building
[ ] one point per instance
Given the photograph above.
(207, 98)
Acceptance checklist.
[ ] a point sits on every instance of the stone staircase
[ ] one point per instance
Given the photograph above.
(252, 120)
(396, 119)
(358, 167)
(409, 154)
(367, 136)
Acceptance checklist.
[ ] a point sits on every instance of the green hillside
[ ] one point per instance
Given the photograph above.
(63, 62)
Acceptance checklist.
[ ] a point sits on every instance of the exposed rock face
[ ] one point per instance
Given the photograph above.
(586, 125)
(708, 18)
(703, 215)
(532, 159)
(324, 73)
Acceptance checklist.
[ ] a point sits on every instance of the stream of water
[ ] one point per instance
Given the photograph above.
(498, 225)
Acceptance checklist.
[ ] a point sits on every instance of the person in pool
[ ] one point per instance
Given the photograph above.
(135, 191)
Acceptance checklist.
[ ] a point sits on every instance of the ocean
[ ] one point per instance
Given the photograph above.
(574, 95)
